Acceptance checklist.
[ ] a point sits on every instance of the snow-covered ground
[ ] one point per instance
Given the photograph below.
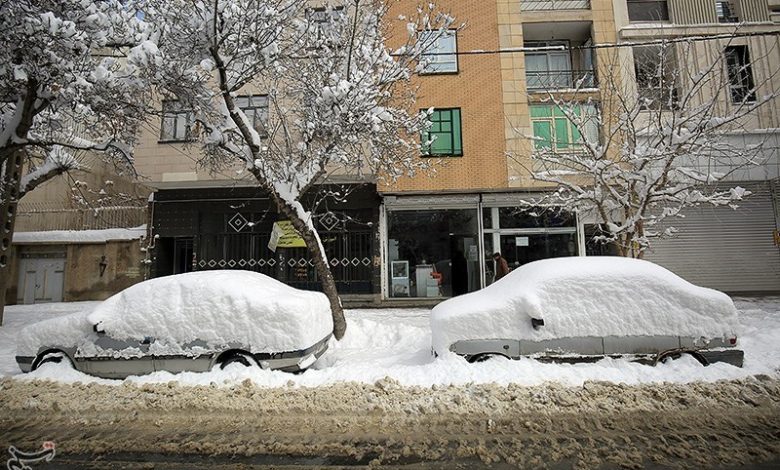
(396, 343)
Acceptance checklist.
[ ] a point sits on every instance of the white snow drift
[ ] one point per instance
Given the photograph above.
(217, 307)
(584, 296)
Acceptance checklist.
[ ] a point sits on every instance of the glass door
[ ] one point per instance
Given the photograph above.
(522, 248)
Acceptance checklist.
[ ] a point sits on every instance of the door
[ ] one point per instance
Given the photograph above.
(524, 247)
(41, 280)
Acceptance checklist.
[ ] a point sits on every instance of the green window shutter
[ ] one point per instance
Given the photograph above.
(562, 133)
(542, 134)
(457, 143)
(445, 128)
(539, 111)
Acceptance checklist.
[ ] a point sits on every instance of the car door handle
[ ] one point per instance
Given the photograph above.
(147, 340)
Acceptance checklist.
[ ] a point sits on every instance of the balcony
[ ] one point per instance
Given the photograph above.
(558, 56)
(548, 5)
(537, 80)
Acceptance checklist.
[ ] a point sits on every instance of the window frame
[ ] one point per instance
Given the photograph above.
(666, 19)
(456, 151)
(740, 92)
(176, 114)
(254, 115)
(328, 15)
(651, 81)
(450, 33)
(573, 143)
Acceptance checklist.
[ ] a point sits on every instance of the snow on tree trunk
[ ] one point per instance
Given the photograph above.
(63, 95)
(338, 98)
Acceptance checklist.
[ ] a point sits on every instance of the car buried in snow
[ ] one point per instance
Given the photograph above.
(187, 322)
(582, 309)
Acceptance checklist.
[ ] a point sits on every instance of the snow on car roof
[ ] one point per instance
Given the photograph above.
(218, 307)
(584, 296)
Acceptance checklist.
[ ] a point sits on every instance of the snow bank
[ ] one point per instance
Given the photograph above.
(584, 296)
(217, 307)
(79, 236)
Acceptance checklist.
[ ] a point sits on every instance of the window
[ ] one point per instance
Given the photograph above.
(647, 10)
(740, 73)
(445, 132)
(725, 12)
(328, 24)
(440, 56)
(655, 67)
(256, 110)
(553, 131)
(176, 122)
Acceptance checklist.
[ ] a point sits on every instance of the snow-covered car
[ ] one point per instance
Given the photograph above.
(187, 322)
(585, 308)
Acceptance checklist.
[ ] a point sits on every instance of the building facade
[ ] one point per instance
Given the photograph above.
(418, 240)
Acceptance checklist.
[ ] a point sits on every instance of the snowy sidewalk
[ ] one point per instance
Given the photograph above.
(396, 343)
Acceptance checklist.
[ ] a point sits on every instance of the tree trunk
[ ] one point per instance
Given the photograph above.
(320, 264)
(9, 199)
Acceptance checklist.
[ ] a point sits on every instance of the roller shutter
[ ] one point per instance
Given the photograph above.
(726, 249)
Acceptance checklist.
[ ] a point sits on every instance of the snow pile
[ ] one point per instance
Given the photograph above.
(584, 296)
(216, 307)
(79, 236)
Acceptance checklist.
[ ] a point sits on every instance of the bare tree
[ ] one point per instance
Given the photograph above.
(64, 91)
(337, 97)
(665, 131)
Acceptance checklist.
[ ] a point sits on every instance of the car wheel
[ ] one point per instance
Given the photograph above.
(666, 356)
(245, 359)
(484, 357)
(49, 357)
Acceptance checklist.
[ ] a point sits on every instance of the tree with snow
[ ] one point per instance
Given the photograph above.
(293, 94)
(671, 139)
(66, 90)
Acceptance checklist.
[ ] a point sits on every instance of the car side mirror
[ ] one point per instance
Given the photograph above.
(97, 328)
(537, 322)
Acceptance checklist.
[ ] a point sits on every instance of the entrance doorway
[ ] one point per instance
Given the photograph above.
(41, 279)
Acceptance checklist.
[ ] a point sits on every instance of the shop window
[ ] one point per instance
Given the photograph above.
(514, 217)
(176, 122)
(256, 110)
(553, 131)
(741, 82)
(444, 136)
(432, 253)
(440, 55)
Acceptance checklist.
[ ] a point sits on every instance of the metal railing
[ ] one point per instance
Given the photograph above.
(547, 5)
(559, 79)
(33, 219)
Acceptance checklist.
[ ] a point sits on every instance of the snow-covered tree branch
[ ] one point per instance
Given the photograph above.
(294, 94)
(66, 88)
(642, 151)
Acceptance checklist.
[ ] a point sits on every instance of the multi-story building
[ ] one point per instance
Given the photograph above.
(719, 247)
(423, 238)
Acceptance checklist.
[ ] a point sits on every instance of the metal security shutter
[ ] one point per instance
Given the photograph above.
(725, 249)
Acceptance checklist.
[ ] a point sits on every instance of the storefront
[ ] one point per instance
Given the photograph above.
(232, 228)
(439, 246)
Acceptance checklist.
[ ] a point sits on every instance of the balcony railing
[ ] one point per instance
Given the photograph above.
(546, 5)
(537, 80)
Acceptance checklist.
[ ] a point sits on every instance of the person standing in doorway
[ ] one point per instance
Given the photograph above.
(502, 267)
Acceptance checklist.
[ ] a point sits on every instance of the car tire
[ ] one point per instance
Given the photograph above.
(484, 357)
(674, 355)
(51, 357)
(245, 359)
